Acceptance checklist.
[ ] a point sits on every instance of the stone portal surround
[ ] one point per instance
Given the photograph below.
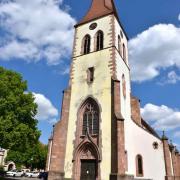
(82, 142)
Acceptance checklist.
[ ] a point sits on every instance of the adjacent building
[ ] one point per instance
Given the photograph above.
(7, 165)
(3, 154)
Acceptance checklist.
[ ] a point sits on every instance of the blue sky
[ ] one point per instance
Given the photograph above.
(36, 40)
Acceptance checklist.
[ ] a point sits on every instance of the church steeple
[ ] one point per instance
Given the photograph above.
(99, 8)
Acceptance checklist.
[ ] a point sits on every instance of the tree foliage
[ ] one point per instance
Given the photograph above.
(18, 125)
(38, 156)
(34, 157)
(1, 168)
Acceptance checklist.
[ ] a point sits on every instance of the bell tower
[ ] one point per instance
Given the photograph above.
(89, 139)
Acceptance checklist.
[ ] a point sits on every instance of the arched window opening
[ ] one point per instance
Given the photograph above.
(90, 119)
(124, 52)
(124, 85)
(99, 41)
(119, 44)
(139, 165)
(87, 44)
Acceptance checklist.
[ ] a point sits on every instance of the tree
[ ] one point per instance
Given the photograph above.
(34, 157)
(18, 126)
(38, 156)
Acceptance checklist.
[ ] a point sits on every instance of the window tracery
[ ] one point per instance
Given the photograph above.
(90, 120)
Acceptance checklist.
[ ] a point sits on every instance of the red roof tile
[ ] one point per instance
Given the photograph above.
(98, 9)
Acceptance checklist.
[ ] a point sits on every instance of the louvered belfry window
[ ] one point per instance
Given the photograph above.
(100, 41)
(90, 120)
(87, 44)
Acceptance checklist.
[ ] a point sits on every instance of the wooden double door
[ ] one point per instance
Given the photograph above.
(88, 170)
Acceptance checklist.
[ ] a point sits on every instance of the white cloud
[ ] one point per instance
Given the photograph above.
(64, 71)
(179, 17)
(46, 110)
(35, 30)
(177, 134)
(154, 49)
(172, 78)
(161, 117)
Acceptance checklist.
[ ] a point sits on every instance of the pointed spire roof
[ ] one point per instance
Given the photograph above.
(99, 8)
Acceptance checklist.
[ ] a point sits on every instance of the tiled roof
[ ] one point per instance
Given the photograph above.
(98, 9)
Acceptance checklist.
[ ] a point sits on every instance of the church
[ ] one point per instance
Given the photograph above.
(101, 134)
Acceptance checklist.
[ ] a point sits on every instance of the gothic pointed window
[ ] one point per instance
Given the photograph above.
(86, 44)
(119, 45)
(90, 119)
(124, 52)
(99, 41)
(139, 166)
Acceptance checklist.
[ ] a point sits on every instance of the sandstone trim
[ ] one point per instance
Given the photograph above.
(135, 110)
(56, 168)
(118, 157)
(167, 157)
(92, 140)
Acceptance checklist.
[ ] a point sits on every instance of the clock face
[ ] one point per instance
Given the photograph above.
(93, 26)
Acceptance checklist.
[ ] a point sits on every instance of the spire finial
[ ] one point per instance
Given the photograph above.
(164, 136)
(163, 133)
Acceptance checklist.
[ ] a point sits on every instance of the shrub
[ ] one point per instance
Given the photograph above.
(2, 172)
(1, 168)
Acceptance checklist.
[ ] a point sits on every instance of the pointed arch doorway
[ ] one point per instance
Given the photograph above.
(86, 163)
(89, 162)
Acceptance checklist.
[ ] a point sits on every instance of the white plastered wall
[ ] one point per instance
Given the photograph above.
(138, 140)
(3, 155)
(100, 90)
